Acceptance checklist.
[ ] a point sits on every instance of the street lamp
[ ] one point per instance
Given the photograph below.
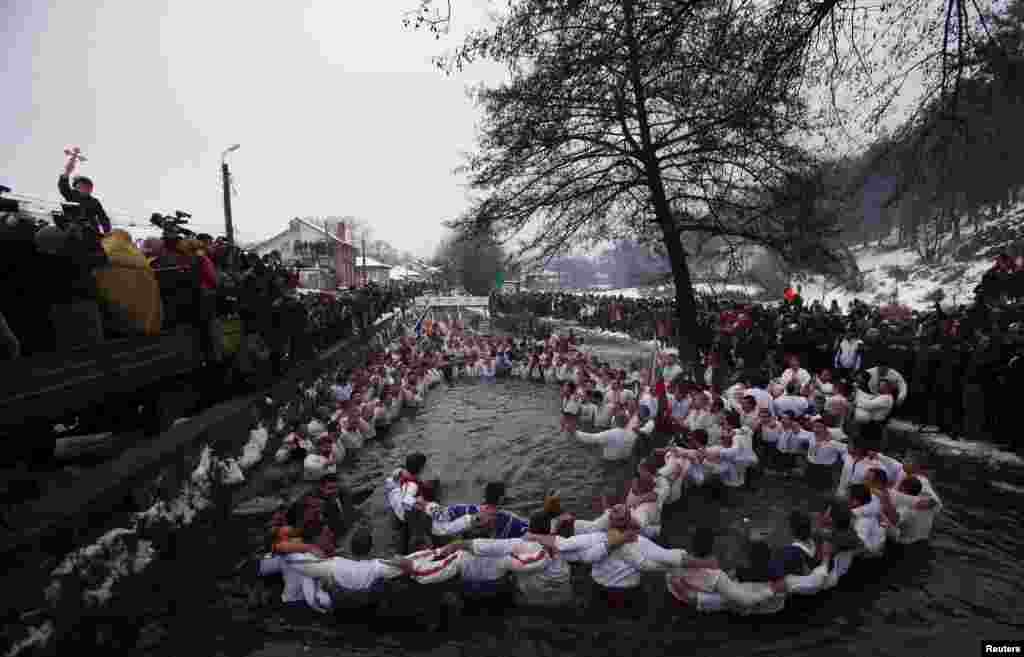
(226, 181)
(229, 149)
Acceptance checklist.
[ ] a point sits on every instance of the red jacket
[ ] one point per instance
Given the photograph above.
(207, 274)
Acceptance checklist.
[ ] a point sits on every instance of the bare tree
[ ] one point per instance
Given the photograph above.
(436, 17)
(649, 119)
(472, 261)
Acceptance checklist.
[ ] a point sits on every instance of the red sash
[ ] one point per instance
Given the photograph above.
(406, 478)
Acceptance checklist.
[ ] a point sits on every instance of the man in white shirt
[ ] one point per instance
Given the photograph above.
(868, 407)
(617, 442)
(792, 402)
(671, 473)
(848, 355)
(642, 422)
(679, 401)
(549, 585)
(857, 463)
(910, 510)
(589, 408)
(617, 576)
(617, 394)
(731, 460)
(713, 590)
(795, 374)
(402, 488)
(867, 520)
(897, 384)
(758, 389)
(823, 453)
(734, 397)
(604, 413)
(345, 583)
(793, 442)
(645, 500)
(698, 417)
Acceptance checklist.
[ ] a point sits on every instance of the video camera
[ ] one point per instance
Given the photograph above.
(172, 226)
(7, 204)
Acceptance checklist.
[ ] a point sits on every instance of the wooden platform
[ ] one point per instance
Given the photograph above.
(49, 385)
(79, 510)
(106, 484)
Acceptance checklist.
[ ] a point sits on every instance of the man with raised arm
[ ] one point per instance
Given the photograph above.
(80, 192)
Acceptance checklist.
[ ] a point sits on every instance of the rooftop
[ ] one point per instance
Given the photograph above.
(370, 263)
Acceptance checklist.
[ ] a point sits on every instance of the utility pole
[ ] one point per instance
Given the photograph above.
(327, 254)
(229, 228)
(366, 274)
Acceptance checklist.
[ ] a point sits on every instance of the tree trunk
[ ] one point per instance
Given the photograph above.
(686, 306)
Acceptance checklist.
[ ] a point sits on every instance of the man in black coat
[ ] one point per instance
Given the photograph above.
(91, 212)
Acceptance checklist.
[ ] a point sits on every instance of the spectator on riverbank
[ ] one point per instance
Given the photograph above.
(948, 358)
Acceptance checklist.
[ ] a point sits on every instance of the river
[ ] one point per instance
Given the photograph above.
(966, 588)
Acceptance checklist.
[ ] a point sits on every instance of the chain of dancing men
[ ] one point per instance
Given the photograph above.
(711, 437)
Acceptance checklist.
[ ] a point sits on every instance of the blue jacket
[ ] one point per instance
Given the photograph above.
(506, 524)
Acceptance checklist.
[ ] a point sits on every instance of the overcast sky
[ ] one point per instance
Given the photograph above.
(336, 106)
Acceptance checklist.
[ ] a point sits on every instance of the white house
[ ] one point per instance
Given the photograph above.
(400, 273)
(543, 280)
(300, 233)
(372, 271)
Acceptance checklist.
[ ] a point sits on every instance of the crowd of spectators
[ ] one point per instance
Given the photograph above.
(962, 364)
(56, 297)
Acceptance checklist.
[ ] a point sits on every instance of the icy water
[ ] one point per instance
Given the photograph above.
(967, 587)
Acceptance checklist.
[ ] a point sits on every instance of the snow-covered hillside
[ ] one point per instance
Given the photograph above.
(891, 271)
(665, 290)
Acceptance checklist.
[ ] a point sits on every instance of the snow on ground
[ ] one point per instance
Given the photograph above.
(625, 293)
(986, 452)
(1006, 487)
(121, 553)
(889, 270)
(896, 271)
(667, 290)
(616, 335)
(882, 284)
